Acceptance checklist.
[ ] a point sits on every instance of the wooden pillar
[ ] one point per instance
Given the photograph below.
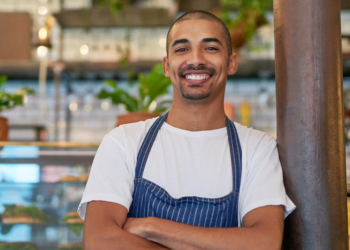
(310, 123)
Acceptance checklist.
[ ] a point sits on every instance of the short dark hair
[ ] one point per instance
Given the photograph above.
(200, 14)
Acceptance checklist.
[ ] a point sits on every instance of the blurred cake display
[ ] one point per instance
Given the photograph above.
(75, 223)
(18, 246)
(15, 214)
(72, 246)
(73, 218)
(72, 178)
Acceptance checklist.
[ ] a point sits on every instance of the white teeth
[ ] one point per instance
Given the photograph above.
(196, 77)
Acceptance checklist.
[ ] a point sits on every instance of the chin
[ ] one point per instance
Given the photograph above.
(195, 96)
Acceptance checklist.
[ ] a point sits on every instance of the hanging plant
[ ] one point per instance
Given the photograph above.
(250, 16)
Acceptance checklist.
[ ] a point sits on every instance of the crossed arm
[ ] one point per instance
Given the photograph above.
(107, 227)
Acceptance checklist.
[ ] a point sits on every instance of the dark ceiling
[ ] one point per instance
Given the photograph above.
(188, 5)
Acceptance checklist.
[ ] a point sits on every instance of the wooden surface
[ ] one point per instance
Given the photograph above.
(16, 32)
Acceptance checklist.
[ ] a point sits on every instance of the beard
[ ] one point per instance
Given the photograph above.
(195, 95)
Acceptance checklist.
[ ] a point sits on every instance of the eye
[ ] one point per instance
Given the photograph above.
(211, 48)
(180, 50)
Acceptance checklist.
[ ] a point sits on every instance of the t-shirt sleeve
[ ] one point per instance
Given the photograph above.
(110, 179)
(264, 180)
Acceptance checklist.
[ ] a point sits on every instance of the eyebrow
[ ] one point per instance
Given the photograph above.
(180, 41)
(205, 40)
(209, 40)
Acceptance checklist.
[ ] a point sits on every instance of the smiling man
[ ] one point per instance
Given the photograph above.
(190, 179)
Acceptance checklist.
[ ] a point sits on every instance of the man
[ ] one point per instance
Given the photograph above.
(190, 179)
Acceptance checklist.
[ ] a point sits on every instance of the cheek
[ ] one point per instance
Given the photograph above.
(174, 69)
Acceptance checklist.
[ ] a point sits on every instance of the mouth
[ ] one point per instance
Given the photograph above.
(197, 77)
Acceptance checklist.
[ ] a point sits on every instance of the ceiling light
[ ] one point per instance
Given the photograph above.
(42, 33)
(41, 51)
(84, 49)
(42, 10)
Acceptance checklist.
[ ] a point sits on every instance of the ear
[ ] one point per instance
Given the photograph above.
(233, 64)
(166, 66)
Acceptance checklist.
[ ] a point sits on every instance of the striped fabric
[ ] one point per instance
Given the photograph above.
(149, 199)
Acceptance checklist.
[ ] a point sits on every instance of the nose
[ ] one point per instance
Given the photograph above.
(196, 57)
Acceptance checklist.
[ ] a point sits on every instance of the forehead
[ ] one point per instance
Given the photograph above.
(197, 30)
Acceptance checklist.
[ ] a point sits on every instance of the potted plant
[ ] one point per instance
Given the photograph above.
(142, 106)
(249, 18)
(9, 101)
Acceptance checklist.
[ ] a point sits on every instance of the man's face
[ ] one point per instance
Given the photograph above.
(198, 62)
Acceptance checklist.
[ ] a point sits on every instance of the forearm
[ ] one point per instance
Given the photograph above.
(181, 236)
(114, 237)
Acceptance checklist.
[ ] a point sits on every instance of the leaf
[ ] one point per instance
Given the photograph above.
(247, 12)
(28, 91)
(119, 96)
(130, 102)
(9, 101)
(103, 94)
(17, 99)
(153, 85)
(3, 79)
(76, 228)
(111, 83)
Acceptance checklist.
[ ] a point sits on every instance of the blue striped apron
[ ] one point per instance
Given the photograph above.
(149, 199)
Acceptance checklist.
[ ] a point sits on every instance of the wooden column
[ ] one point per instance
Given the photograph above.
(310, 123)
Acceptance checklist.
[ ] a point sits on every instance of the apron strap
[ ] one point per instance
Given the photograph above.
(236, 154)
(147, 145)
(235, 150)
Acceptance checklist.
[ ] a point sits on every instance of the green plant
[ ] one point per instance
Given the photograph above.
(113, 5)
(150, 87)
(251, 12)
(11, 100)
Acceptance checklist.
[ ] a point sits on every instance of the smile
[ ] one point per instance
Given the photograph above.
(197, 77)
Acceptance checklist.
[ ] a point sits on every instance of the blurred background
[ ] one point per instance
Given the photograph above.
(64, 50)
(72, 70)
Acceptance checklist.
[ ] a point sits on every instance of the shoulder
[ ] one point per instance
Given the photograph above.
(253, 141)
(131, 134)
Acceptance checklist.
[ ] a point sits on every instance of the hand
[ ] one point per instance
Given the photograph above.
(137, 226)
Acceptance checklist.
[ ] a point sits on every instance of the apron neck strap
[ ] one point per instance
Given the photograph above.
(147, 145)
(236, 154)
(235, 150)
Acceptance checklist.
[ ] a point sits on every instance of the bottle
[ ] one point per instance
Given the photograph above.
(245, 113)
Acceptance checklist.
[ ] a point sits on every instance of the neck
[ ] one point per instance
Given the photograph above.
(197, 117)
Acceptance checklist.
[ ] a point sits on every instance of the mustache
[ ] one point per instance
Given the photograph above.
(182, 71)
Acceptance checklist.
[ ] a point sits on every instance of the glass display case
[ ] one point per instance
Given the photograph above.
(43, 180)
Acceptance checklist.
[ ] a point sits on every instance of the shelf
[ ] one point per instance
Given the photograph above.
(130, 16)
(104, 70)
(63, 184)
(99, 68)
(39, 225)
(50, 160)
(62, 144)
(30, 69)
(47, 153)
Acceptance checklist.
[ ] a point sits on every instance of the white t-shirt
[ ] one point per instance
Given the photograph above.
(187, 163)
